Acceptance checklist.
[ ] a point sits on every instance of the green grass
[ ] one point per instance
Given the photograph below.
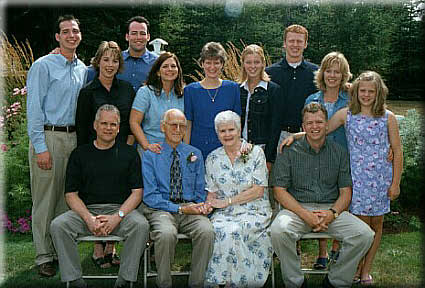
(398, 263)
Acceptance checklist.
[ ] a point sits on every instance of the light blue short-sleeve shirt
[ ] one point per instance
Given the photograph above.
(153, 106)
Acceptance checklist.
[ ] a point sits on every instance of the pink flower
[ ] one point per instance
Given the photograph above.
(192, 157)
(3, 147)
(16, 91)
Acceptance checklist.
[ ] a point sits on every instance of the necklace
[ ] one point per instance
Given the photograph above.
(215, 94)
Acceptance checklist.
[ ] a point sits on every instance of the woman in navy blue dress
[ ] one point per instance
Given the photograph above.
(203, 100)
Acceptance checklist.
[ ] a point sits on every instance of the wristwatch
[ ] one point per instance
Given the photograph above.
(180, 210)
(121, 214)
(336, 214)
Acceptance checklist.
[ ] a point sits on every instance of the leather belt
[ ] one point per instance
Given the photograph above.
(291, 129)
(68, 129)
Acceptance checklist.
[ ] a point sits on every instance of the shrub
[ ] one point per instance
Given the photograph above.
(17, 58)
(413, 179)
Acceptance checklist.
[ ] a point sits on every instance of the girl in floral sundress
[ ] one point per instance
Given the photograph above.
(371, 129)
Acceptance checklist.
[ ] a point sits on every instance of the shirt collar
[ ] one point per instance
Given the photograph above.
(262, 84)
(96, 83)
(306, 146)
(166, 148)
(145, 56)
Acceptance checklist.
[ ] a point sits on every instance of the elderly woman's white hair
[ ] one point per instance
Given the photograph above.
(226, 117)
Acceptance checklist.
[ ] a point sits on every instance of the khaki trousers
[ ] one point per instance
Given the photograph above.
(68, 226)
(355, 236)
(165, 227)
(47, 191)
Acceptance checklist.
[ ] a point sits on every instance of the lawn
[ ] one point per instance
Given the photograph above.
(398, 263)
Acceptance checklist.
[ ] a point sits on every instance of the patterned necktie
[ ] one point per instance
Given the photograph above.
(175, 179)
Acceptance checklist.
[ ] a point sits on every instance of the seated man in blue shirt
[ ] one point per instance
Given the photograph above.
(174, 201)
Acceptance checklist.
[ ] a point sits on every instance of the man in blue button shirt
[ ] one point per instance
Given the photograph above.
(138, 60)
(53, 84)
(183, 211)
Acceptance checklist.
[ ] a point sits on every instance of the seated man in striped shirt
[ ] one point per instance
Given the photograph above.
(311, 180)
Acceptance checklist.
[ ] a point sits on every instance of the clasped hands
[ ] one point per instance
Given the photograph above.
(103, 225)
(203, 208)
(319, 220)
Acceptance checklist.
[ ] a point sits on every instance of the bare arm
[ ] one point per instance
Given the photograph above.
(337, 120)
(245, 196)
(77, 205)
(188, 131)
(136, 118)
(395, 142)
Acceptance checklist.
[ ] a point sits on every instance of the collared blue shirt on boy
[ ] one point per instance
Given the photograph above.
(136, 69)
(53, 85)
(156, 177)
(343, 99)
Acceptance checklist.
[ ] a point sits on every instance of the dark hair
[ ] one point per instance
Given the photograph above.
(138, 19)
(154, 80)
(314, 107)
(66, 18)
(213, 50)
(103, 48)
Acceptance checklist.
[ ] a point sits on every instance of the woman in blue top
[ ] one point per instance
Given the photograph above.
(163, 90)
(331, 80)
(203, 100)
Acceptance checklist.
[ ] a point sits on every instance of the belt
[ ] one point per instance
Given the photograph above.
(291, 129)
(68, 129)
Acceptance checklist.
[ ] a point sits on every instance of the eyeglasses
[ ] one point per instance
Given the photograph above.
(180, 126)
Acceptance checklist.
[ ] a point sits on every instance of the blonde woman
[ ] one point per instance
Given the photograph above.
(261, 103)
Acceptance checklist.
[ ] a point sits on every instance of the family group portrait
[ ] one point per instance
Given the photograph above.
(228, 143)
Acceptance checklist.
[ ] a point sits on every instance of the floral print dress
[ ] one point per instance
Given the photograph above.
(242, 248)
(368, 144)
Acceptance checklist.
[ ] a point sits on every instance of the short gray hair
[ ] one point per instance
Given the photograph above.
(226, 117)
(109, 108)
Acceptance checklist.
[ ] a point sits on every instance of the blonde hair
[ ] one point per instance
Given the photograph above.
(327, 61)
(104, 47)
(253, 49)
(379, 106)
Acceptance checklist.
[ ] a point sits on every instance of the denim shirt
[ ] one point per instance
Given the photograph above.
(53, 85)
(136, 70)
(343, 99)
(156, 177)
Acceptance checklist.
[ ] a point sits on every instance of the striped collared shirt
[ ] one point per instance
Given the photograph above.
(310, 176)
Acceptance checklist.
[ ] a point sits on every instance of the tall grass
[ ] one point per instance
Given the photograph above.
(232, 67)
(17, 58)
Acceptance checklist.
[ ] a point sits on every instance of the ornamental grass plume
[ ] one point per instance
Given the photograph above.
(17, 58)
(232, 67)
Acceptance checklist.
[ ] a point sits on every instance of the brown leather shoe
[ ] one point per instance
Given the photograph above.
(47, 269)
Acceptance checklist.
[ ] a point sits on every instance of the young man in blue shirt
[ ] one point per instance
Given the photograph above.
(53, 84)
(138, 60)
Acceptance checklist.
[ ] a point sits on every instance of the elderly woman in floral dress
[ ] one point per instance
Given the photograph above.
(235, 182)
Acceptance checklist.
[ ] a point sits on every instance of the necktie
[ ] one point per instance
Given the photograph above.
(175, 179)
